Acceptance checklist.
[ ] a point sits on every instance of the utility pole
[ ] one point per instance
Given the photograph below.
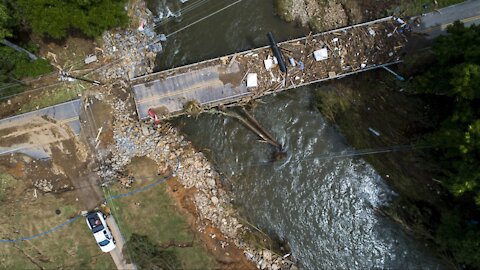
(64, 76)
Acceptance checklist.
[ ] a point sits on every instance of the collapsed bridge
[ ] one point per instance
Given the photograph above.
(241, 77)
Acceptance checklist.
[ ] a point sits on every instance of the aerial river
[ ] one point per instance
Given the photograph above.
(321, 205)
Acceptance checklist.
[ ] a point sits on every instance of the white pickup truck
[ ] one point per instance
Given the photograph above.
(97, 224)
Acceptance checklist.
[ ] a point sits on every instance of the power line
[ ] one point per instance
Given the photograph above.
(183, 11)
(204, 18)
(334, 155)
(42, 76)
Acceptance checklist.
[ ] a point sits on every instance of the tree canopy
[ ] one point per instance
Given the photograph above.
(4, 31)
(55, 18)
(455, 74)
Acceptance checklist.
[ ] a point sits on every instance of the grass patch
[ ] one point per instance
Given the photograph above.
(8, 89)
(153, 213)
(71, 247)
(32, 68)
(63, 93)
(6, 182)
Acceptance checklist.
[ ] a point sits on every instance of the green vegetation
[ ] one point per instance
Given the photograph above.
(17, 65)
(55, 18)
(4, 31)
(57, 95)
(283, 10)
(455, 75)
(148, 255)
(6, 182)
(192, 108)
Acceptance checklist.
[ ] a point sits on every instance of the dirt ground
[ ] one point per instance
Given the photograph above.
(67, 166)
(69, 52)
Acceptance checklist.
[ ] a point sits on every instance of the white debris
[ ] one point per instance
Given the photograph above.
(252, 80)
(268, 63)
(371, 32)
(90, 59)
(321, 54)
(376, 133)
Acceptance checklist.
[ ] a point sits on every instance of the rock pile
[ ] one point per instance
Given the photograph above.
(44, 185)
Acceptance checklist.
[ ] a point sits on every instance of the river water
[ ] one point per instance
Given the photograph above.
(321, 205)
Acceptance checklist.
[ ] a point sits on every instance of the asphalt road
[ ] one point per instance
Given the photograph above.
(67, 113)
(435, 23)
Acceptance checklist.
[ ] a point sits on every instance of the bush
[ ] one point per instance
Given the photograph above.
(32, 69)
(148, 255)
(17, 65)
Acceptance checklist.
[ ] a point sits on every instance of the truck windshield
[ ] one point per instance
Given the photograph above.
(104, 243)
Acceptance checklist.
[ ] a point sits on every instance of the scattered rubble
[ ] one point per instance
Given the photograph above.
(135, 47)
(44, 185)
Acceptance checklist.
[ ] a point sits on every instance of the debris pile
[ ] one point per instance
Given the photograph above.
(44, 185)
(326, 56)
(134, 50)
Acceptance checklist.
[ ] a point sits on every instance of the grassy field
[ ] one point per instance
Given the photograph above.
(71, 247)
(59, 94)
(153, 213)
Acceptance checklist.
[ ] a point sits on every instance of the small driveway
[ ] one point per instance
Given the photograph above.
(117, 253)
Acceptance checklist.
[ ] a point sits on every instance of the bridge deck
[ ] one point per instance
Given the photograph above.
(223, 80)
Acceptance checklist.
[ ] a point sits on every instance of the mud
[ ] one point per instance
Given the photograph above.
(229, 257)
